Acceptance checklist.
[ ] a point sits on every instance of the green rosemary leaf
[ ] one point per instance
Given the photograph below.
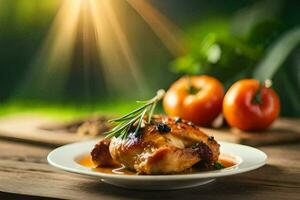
(124, 123)
(127, 131)
(143, 101)
(124, 118)
(117, 130)
(140, 123)
(129, 114)
(151, 112)
(118, 127)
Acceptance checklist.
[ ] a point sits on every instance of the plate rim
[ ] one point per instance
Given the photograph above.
(78, 169)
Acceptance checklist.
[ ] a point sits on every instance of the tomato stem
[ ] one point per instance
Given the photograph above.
(191, 88)
(257, 98)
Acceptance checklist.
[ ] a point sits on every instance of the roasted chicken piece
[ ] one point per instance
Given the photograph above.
(101, 155)
(167, 145)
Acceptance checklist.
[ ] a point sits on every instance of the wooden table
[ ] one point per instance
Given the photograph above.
(25, 171)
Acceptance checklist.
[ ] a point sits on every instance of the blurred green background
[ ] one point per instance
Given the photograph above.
(227, 39)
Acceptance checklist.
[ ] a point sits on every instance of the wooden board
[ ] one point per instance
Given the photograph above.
(28, 128)
(24, 171)
(282, 131)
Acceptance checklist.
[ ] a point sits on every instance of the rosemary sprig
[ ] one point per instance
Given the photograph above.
(135, 118)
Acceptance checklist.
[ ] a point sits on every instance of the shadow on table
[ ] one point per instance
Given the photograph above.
(238, 186)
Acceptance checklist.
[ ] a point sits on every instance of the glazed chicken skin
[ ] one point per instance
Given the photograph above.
(166, 146)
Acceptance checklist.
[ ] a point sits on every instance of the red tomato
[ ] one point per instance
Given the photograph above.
(250, 106)
(197, 99)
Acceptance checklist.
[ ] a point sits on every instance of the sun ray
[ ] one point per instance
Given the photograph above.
(51, 68)
(168, 33)
(113, 65)
(88, 40)
(123, 43)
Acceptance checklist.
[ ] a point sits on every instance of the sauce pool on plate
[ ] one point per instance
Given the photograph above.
(86, 161)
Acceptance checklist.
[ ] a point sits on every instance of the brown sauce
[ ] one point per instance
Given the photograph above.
(86, 161)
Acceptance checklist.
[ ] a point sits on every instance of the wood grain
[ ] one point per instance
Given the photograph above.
(282, 131)
(28, 128)
(24, 170)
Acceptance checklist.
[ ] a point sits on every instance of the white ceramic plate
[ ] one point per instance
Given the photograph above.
(247, 159)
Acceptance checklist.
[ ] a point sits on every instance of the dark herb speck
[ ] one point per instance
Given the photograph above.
(211, 138)
(163, 128)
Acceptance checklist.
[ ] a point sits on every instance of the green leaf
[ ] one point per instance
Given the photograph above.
(277, 54)
(219, 165)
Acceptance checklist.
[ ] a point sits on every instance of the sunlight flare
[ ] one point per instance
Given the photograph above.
(90, 38)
